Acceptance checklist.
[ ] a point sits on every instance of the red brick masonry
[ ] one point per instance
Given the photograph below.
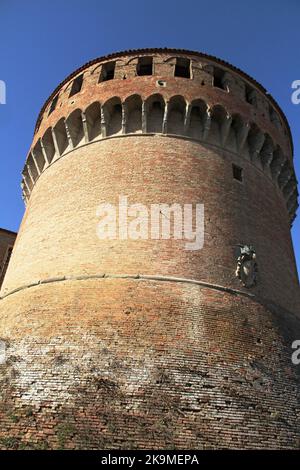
(126, 344)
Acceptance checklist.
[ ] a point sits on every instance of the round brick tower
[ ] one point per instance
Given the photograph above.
(141, 343)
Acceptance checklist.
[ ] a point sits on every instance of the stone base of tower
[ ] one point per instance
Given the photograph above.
(135, 364)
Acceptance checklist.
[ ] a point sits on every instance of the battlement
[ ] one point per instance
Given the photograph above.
(165, 91)
(200, 68)
(213, 124)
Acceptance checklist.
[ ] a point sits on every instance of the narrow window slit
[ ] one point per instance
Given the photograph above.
(53, 105)
(76, 85)
(182, 68)
(145, 66)
(237, 172)
(107, 72)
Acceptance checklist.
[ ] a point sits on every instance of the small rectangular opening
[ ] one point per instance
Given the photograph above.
(250, 95)
(219, 78)
(145, 66)
(107, 72)
(237, 172)
(274, 116)
(182, 68)
(76, 85)
(53, 105)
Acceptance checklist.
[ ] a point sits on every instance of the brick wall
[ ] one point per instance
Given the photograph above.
(123, 363)
(58, 234)
(143, 343)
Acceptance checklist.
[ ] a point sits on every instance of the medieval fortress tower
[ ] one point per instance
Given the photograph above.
(124, 343)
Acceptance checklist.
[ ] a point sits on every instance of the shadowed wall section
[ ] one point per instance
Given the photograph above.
(7, 240)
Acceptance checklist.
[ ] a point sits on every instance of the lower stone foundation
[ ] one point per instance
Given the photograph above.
(135, 364)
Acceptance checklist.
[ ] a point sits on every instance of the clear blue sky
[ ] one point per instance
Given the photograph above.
(43, 41)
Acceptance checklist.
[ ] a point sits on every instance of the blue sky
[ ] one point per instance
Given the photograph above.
(43, 41)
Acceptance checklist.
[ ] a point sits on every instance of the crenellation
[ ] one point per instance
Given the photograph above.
(284, 175)
(120, 70)
(25, 192)
(235, 85)
(85, 127)
(255, 141)
(68, 133)
(165, 117)
(262, 105)
(266, 153)
(60, 137)
(54, 143)
(225, 129)
(155, 113)
(47, 145)
(208, 68)
(251, 97)
(31, 171)
(144, 118)
(241, 129)
(40, 156)
(202, 73)
(277, 163)
(74, 128)
(292, 200)
(174, 115)
(290, 187)
(26, 185)
(274, 117)
(35, 163)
